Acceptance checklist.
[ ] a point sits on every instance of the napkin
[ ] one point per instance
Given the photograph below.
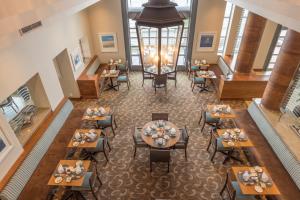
(102, 110)
(60, 169)
(78, 170)
(264, 177)
(246, 176)
(77, 136)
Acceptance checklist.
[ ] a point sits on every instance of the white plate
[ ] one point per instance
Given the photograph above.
(75, 144)
(58, 180)
(258, 189)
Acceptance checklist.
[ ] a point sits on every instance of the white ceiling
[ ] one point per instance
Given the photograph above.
(284, 12)
(15, 14)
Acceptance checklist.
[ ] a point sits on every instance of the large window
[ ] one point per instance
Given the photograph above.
(168, 34)
(241, 28)
(225, 27)
(276, 48)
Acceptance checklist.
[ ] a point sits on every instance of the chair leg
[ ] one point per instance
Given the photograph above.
(203, 126)
(209, 143)
(185, 154)
(213, 156)
(81, 195)
(115, 123)
(143, 82)
(105, 155)
(113, 130)
(222, 190)
(193, 87)
(150, 166)
(168, 166)
(134, 152)
(128, 85)
(94, 194)
(200, 119)
(108, 146)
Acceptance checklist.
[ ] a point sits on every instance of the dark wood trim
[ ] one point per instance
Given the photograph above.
(32, 142)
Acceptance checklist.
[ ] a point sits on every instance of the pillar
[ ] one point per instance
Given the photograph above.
(252, 35)
(285, 67)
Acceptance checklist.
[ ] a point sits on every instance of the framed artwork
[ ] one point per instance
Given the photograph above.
(4, 145)
(206, 41)
(76, 58)
(108, 42)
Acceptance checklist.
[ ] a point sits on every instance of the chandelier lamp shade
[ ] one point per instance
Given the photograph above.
(166, 25)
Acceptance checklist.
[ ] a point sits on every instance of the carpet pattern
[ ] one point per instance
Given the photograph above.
(124, 177)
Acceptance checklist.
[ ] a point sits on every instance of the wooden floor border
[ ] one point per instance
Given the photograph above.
(32, 142)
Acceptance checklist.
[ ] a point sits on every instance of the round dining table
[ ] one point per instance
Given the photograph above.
(161, 132)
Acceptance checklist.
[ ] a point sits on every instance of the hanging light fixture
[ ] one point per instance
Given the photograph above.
(159, 17)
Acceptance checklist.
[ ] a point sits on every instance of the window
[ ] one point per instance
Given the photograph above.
(225, 28)
(241, 28)
(168, 38)
(277, 47)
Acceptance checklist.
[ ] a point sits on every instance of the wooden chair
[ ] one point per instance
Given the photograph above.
(211, 121)
(173, 75)
(233, 190)
(89, 183)
(197, 81)
(160, 155)
(123, 67)
(216, 143)
(107, 122)
(192, 69)
(183, 141)
(160, 116)
(147, 76)
(101, 146)
(124, 78)
(160, 81)
(137, 139)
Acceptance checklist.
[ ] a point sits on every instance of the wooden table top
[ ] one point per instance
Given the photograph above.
(151, 142)
(249, 189)
(108, 110)
(211, 74)
(77, 182)
(110, 75)
(230, 115)
(85, 144)
(237, 144)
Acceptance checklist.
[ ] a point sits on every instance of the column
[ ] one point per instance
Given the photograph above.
(285, 67)
(252, 35)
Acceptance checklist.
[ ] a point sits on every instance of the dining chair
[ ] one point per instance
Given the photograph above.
(209, 120)
(183, 141)
(160, 116)
(233, 190)
(123, 67)
(160, 155)
(25, 94)
(173, 75)
(296, 111)
(216, 143)
(90, 183)
(160, 81)
(9, 102)
(90, 153)
(146, 76)
(109, 121)
(137, 139)
(197, 81)
(124, 78)
(192, 69)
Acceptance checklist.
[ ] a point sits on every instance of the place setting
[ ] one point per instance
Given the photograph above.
(96, 112)
(221, 111)
(69, 173)
(84, 137)
(233, 137)
(159, 133)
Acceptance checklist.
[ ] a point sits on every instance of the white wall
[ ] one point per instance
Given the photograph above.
(106, 17)
(210, 16)
(34, 54)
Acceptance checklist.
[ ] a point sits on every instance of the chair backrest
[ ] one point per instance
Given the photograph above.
(160, 116)
(189, 65)
(24, 93)
(136, 134)
(230, 189)
(160, 79)
(160, 155)
(17, 122)
(185, 134)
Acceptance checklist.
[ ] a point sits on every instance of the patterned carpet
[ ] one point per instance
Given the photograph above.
(126, 178)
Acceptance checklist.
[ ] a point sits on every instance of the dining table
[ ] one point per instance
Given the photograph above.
(206, 75)
(95, 114)
(68, 178)
(154, 131)
(111, 75)
(165, 69)
(221, 111)
(255, 185)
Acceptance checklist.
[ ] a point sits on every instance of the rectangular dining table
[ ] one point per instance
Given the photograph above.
(85, 144)
(249, 189)
(237, 144)
(230, 115)
(77, 182)
(111, 76)
(206, 75)
(108, 112)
